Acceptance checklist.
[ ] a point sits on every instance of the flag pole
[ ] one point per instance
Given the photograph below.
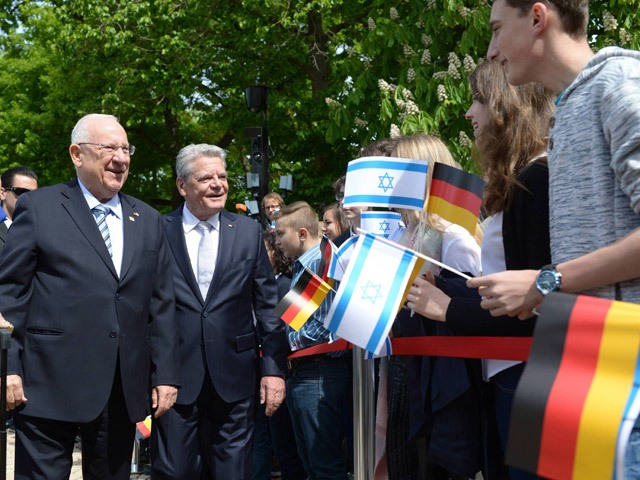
(5, 343)
(363, 415)
(422, 255)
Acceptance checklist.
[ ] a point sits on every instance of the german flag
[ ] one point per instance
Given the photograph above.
(302, 300)
(571, 413)
(326, 249)
(143, 429)
(456, 196)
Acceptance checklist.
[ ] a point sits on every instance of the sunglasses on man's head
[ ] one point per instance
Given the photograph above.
(17, 190)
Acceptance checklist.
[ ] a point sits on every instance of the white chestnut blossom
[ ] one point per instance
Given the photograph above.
(464, 140)
(360, 123)
(454, 66)
(468, 64)
(393, 13)
(464, 11)
(426, 57)
(625, 37)
(442, 93)
(394, 131)
(332, 103)
(609, 21)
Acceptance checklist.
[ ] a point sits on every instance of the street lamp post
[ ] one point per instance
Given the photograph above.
(257, 100)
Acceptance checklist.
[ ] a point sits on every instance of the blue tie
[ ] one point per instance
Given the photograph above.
(100, 213)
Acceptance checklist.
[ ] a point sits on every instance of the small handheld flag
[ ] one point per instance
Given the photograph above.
(302, 300)
(380, 223)
(327, 250)
(386, 182)
(574, 406)
(456, 196)
(375, 284)
(143, 429)
(341, 258)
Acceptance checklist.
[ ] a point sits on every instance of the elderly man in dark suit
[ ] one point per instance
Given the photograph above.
(85, 278)
(225, 295)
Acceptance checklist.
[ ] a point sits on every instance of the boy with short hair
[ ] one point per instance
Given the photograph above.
(594, 160)
(594, 154)
(318, 384)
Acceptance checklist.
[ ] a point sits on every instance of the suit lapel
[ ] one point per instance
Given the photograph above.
(131, 225)
(175, 236)
(225, 245)
(74, 203)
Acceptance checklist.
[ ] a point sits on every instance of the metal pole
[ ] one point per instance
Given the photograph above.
(363, 416)
(5, 343)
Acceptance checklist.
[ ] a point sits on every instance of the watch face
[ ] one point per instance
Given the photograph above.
(547, 281)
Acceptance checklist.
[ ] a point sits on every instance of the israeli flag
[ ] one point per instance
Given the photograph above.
(381, 223)
(374, 286)
(386, 182)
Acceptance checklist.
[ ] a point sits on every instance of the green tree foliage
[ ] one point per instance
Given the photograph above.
(341, 74)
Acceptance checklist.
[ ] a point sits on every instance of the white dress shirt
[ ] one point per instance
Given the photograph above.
(114, 222)
(192, 235)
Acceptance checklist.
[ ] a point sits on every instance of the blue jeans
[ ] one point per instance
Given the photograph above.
(632, 455)
(316, 393)
(274, 436)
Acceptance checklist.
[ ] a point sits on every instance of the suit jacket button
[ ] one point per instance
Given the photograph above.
(205, 314)
(118, 296)
(113, 334)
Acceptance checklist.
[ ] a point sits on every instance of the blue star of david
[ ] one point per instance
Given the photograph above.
(389, 182)
(371, 292)
(385, 226)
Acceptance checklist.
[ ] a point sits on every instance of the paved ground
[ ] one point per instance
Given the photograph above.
(76, 470)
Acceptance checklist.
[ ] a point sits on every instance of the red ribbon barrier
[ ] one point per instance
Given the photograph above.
(497, 348)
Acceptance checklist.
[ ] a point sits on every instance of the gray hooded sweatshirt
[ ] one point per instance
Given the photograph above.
(594, 162)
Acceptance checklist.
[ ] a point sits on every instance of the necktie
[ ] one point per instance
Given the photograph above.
(100, 213)
(206, 258)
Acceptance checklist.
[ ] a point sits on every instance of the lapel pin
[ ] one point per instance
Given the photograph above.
(136, 214)
(132, 219)
(230, 225)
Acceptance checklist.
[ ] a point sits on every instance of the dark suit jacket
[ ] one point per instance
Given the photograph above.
(4, 231)
(218, 333)
(74, 318)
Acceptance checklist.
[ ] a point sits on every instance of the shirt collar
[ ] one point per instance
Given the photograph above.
(189, 220)
(113, 203)
(303, 259)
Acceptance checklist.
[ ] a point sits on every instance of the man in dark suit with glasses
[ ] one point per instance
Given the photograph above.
(15, 182)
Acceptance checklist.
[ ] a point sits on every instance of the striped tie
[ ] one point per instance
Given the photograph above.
(100, 212)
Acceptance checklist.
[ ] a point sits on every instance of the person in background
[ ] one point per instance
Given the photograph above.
(510, 129)
(274, 435)
(318, 384)
(15, 182)
(410, 378)
(334, 222)
(271, 204)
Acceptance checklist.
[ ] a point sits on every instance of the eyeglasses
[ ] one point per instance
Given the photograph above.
(17, 190)
(339, 197)
(110, 149)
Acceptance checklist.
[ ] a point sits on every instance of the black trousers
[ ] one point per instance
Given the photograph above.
(209, 439)
(44, 447)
